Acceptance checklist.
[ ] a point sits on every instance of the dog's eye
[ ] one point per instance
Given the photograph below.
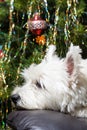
(38, 84)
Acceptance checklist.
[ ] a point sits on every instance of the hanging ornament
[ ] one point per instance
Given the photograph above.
(41, 40)
(1, 54)
(37, 25)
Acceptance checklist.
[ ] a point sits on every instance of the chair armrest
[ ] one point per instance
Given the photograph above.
(44, 120)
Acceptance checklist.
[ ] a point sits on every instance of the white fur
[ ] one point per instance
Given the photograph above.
(63, 83)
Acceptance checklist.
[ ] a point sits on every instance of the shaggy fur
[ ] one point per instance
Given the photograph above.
(57, 84)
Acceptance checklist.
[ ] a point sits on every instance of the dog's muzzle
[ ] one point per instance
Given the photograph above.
(15, 98)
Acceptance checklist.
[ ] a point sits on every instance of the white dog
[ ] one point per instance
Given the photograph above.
(56, 84)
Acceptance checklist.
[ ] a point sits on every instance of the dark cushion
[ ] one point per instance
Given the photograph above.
(44, 120)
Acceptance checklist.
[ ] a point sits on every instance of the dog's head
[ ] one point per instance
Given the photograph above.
(41, 80)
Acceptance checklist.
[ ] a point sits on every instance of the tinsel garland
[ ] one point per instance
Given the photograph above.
(71, 19)
(5, 109)
(5, 106)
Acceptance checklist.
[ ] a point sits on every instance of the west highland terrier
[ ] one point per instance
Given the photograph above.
(55, 84)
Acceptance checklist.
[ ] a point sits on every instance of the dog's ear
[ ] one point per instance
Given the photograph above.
(26, 71)
(70, 65)
(73, 58)
(50, 53)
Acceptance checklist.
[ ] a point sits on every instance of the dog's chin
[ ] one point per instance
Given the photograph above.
(19, 108)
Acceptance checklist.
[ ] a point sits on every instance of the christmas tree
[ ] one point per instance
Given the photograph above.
(28, 27)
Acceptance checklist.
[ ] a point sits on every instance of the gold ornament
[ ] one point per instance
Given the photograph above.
(41, 40)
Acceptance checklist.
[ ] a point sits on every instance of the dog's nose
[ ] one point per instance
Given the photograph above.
(15, 98)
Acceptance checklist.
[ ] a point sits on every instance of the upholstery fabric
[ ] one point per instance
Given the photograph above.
(44, 120)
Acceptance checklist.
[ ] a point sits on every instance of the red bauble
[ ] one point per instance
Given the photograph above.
(1, 54)
(37, 25)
